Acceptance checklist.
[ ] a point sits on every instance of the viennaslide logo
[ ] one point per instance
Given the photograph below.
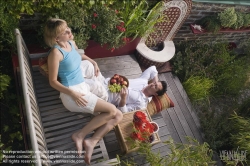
(233, 155)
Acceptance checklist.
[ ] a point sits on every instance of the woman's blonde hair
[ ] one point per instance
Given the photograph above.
(53, 28)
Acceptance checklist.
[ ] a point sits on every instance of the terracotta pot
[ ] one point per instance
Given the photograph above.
(95, 50)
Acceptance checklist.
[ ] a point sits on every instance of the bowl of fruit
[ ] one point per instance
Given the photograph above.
(117, 82)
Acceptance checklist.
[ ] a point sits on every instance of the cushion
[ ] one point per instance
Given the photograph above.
(159, 103)
(43, 66)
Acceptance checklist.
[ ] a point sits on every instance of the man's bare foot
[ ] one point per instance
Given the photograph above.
(78, 141)
(89, 147)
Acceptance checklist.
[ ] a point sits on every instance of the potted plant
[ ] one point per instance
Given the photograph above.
(119, 30)
(227, 21)
(210, 23)
(228, 17)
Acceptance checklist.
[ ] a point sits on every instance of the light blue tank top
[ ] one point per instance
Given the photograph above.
(69, 68)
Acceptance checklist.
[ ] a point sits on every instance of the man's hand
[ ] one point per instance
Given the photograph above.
(123, 94)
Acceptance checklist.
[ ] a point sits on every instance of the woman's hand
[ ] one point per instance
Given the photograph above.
(78, 98)
(96, 68)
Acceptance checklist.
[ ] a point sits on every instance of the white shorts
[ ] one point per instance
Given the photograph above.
(95, 83)
(71, 105)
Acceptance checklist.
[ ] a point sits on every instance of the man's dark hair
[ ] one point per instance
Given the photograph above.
(163, 90)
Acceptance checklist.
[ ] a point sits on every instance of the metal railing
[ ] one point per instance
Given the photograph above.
(35, 128)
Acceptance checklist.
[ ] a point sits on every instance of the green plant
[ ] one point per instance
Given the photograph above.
(5, 81)
(239, 22)
(244, 109)
(246, 18)
(75, 16)
(245, 47)
(213, 116)
(218, 125)
(213, 61)
(241, 135)
(141, 20)
(189, 154)
(105, 27)
(210, 23)
(228, 17)
(8, 22)
(233, 76)
(198, 87)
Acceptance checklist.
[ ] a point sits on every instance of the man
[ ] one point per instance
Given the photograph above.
(139, 93)
(135, 97)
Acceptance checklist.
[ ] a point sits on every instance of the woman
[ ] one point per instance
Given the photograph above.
(65, 62)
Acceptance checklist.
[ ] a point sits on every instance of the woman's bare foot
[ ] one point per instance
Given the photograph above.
(89, 147)
(78, 141)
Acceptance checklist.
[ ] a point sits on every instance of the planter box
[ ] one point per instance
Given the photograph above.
(223, 30)
(95, 50)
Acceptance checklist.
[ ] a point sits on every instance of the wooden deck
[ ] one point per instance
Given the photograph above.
(177, 122)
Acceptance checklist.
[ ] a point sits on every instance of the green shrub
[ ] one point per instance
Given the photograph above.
(198, 88)
(189, 154)
(239, 22)
(246, 18)
(213, 61)
(215, 124)
(140, 21)
(4, 83)
(241, 135)
(223, 129)
(244, 109)
(103, 23)
(75, 16)
(8, 22)
(210, 23)
(245, 47)
(232, 77)
(228, 17)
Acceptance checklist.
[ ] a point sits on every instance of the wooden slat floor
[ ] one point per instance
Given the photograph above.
(176, 122)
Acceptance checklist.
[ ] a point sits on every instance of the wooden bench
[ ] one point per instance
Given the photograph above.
(49, 124)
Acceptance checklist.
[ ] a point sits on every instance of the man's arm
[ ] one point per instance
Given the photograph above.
(122, 104)
(151, 74)
(136, 105)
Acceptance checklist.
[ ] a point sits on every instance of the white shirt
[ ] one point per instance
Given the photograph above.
(135, 99)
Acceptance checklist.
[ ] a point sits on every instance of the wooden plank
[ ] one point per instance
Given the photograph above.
(51, 107)
(60, 121)
(170, 125)
(58, 116)
(176, 116)
(48, 98)
(50, 111)
(187, 101)
(59, 132)
(179, 110)
(49, 103)
(65, 125)
(190, 122)
(117, 59)
(51, 93)
(112, 65)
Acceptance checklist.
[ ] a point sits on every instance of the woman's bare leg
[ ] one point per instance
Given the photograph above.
(90, 143)
(107, 112)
